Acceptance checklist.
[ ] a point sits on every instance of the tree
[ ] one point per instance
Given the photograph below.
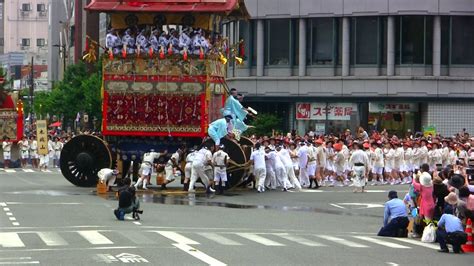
(3, 86)
(79, 91)
(264, 124)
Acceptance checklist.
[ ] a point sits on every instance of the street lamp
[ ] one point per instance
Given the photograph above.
(62, 50)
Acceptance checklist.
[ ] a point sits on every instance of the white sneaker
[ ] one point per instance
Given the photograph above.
(212, 190)
(339, 184)
(191, 190)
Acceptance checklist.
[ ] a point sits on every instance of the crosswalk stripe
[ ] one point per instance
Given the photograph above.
(342, 241)
(10, 170)
(47, 171)
(220, 239)
(178, 238)
(300, 240)
(28, 170)
(380, 242)
(259, 239)
(138, 239)
(52, 239)
(417, 243)
(95, 238)
(11, 240)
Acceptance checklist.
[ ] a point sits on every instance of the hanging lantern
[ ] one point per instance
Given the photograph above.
(241, 48)
(87, 44)
(185, 54)
(201, 53)
(138, 50)
(124, 51)
(162, 53)
(170, 49)
(150, 51)
(111, 54)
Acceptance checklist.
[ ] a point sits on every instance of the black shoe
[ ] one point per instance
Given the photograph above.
(163, 186)
(444, 250)
(116, 212)
(139, 211)
(135, 216)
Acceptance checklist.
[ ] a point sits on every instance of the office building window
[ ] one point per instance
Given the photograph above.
(244, 39)
(365, 37)
(40, 42)
(295, 44)
(41, 7)
(462, 50)
(2, 42)
(277, 42)
(25, 7)
(322, 33)
(414, 40)
(253, 34)
(25, 42)
(445, 25)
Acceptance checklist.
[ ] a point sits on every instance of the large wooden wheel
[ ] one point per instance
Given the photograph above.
(82, 157)
(236, 154)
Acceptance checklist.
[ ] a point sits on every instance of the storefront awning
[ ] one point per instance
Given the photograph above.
(164, 6)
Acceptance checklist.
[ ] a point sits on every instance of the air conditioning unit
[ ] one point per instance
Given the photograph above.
(25, 13)
(43, 13)
(24, 47)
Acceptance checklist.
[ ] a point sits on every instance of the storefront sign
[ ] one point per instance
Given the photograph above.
(429, 130)
(42, 137)
(323, 111)
(375, 107)
(8, 126)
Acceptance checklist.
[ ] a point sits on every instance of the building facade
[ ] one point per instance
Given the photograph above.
(24, 39)
(25, 28)
(328, 65)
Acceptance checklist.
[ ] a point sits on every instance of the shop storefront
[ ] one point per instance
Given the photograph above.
(396, 118)
(326, 117)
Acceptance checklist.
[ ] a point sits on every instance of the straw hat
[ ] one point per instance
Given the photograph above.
(451, 198)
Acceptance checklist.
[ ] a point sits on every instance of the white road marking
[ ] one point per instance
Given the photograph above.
(15, 223)
(417, 243)
(52, 239)
(178, 238)
(259, 239)
(10, 170)
(95, 238)
(6, 209)
(28, 170)
(11, 240)
(300, 240)
(3, 204)
(137, 223)
(9, 214)
(220, 239)
(12, 218)
(16, 258)
(391, 263)
(342, 241)
(337, 206)
(364, 205)
(19, 262)
(380, 242)
(199, 255)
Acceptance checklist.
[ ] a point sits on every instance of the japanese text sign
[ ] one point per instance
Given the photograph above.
(323, 111)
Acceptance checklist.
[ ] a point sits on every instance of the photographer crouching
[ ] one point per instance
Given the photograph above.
(128, 201)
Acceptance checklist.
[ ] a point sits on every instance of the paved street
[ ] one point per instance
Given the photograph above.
(45, 220)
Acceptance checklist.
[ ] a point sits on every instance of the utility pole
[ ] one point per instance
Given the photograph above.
(32, 87)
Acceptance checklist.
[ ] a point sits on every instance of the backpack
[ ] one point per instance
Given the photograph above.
(470, 202)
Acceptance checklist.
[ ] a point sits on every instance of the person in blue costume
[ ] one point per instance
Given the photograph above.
(221, 128)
